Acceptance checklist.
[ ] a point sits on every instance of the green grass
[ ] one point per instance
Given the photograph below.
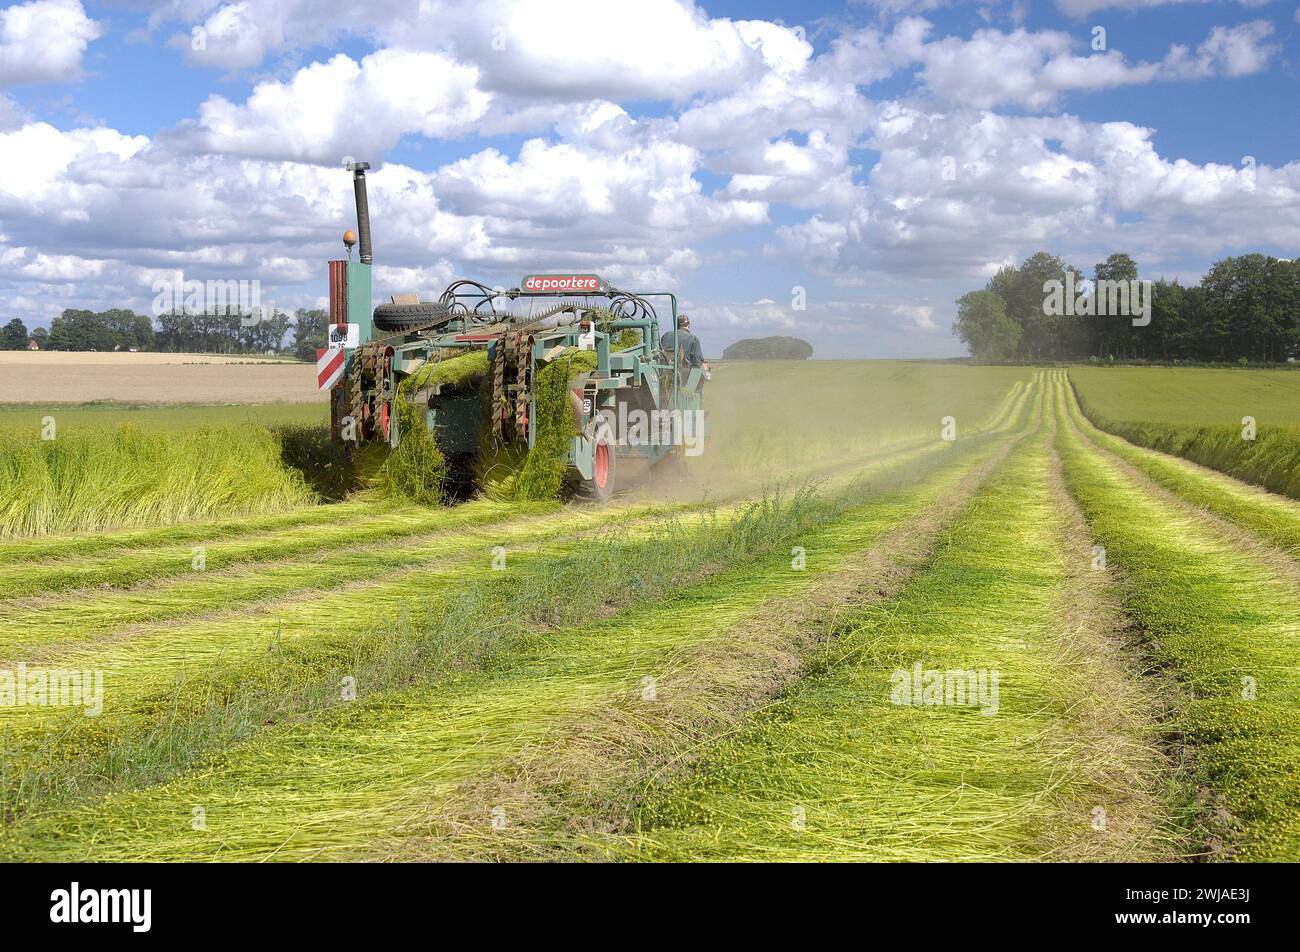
(223, 688)
(542, 672)
(125, 542)
(175, 691)
(36, 624)
(1212, 616)
(1189, 397)
(836, 770)
(1197, 414)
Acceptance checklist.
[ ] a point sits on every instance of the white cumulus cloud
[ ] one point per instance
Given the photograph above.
(43, 41)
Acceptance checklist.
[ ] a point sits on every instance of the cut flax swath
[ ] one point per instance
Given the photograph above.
(1226, 628)
(587, 774)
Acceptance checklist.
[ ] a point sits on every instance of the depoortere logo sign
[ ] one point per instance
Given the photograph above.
(75, 904)
(563, 283)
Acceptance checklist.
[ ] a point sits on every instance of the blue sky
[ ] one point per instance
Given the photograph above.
(883, 157)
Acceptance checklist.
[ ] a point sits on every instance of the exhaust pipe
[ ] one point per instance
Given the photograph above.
(358, 170)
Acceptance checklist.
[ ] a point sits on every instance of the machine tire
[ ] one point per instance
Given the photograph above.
(405, 317)
(601, 486)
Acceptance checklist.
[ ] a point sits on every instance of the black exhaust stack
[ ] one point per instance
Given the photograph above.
(358, 170)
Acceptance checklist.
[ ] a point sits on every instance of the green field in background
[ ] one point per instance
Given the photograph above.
(1189, 396)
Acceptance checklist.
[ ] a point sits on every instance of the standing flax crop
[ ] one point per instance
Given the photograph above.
(92, 479)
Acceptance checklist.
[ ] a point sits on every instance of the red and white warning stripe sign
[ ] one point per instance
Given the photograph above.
(329, 366)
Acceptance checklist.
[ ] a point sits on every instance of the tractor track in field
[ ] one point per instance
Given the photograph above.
(583, 776)
(1096, 637)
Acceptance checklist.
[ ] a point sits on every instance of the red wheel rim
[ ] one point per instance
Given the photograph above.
(602, 464)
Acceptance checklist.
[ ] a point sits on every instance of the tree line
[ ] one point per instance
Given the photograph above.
(1245, 309)
(226, 332)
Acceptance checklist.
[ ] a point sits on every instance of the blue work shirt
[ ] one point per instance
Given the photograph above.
(692, 355)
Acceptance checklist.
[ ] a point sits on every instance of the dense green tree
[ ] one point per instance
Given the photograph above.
(1113, 333)
(308, 332)
(983, 325)
(1245, 308)
(14, 335)
(226, 332)
(768, 348)
(1022, 289)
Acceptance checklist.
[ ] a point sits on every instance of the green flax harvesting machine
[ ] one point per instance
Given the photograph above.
(629, 402)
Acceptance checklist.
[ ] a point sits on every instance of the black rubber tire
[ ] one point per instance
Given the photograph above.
(404, 317)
